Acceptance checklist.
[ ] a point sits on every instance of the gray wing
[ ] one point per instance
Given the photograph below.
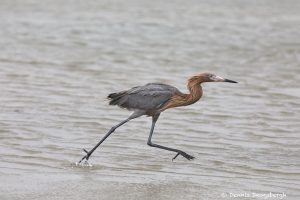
(151, 96)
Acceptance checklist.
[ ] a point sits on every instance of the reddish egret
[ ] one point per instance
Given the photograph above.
(154, 98)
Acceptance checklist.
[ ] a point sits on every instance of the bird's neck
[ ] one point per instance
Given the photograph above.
(195, 89)
(195, 93)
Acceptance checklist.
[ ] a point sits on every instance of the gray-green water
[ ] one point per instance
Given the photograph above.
(60, 59)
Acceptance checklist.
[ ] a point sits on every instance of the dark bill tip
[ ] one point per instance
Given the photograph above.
(230, 81)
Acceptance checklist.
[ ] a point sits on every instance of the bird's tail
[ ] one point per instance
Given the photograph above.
(115, 98)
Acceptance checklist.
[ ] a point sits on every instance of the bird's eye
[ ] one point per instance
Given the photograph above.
(212, 77)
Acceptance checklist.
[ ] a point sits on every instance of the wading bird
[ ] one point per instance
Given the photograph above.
(154, 98)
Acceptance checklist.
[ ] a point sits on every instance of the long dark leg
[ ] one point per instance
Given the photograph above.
(89, 153)
(179, 152)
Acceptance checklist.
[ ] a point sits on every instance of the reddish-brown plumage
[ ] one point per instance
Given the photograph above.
(195, 89)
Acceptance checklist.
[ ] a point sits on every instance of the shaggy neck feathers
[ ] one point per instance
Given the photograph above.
(195, 93)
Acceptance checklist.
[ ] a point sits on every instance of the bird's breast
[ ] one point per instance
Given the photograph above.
(180, 100)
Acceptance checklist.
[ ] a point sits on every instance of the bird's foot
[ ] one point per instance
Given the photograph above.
(187, 156)
(85, 159)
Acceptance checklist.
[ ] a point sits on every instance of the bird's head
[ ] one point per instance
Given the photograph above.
(209, 77)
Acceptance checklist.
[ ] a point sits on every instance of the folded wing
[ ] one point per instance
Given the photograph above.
(151, 96)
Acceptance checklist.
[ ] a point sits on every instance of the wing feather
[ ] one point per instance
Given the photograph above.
(151, 96)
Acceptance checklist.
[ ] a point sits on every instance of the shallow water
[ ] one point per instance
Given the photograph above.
(60, 59)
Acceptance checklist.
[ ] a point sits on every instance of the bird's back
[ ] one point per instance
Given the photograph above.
(149, 97)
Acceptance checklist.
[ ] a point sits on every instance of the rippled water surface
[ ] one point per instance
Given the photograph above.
(60, 59)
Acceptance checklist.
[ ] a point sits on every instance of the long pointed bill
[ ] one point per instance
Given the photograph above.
(220, 79)
(230, 81)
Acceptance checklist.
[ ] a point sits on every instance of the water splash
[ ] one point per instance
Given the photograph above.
(84, 164)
